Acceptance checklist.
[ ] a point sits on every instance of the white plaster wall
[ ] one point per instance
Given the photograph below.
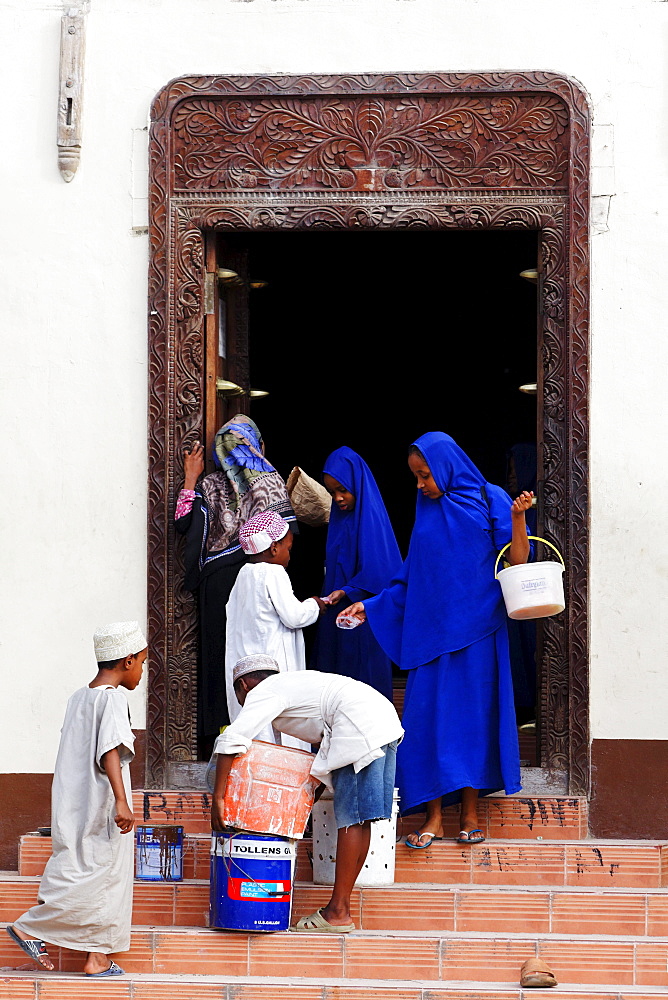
(73, 389)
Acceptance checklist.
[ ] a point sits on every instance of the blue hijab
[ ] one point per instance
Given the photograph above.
(446, 597)
(362, 552)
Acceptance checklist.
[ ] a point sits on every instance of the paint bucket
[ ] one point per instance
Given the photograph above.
(159, 853)
(270, 790)
(532, 590)
(378, 869)
(251, 881)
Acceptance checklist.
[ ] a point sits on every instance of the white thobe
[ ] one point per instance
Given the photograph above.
(264, 616)
(350, 720)
(85, 896)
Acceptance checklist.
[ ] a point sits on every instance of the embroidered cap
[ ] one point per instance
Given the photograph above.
(113, 642)
(258, 661)
(257, 534)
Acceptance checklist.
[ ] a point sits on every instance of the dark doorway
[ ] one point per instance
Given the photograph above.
(371, 339)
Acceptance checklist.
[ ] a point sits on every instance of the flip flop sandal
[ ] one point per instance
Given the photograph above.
(466, 837)
(34, 948)
(113, 970)
(422, 847)
(316, 922)
(536, 973)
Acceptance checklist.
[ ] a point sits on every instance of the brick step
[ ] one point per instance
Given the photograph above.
(404, 908)
(612, 961)
(19, 986)
(635, 864)
(557, 817)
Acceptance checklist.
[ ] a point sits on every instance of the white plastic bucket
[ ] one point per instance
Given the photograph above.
(532, 590)
(378, 869)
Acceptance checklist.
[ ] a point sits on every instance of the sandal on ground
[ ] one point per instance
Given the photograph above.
(536, 973)
(468, 837)
(419, 846)
(34, 948)
(316, 922)
(113, 970)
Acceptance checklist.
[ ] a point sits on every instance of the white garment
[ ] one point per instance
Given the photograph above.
(85, 896)
(264, 616)
(349, 719)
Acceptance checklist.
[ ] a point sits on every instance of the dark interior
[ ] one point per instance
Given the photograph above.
(370, 339)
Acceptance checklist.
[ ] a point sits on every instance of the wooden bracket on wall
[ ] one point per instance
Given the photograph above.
(70, 95)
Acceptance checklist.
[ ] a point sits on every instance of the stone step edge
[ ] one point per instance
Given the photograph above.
(531, 938)
(425, 986)
(454, 887)
(589, 842)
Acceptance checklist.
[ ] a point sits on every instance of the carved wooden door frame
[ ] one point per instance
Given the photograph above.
(436, 151)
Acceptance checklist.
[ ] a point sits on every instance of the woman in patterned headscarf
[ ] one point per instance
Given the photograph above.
(209, 514)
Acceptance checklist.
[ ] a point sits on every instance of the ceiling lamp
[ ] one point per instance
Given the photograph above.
(255, 285)
(530, 275)
(530, 388)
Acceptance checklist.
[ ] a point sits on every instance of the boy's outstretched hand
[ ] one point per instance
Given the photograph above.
(522, 503)
(124, 818)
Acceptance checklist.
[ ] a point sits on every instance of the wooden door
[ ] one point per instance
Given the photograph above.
(226, 337)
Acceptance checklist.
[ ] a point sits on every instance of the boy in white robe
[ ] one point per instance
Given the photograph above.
(85, 896)
(263, 614)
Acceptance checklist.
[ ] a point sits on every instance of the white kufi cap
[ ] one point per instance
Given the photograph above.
(113, 642)
(249, 664)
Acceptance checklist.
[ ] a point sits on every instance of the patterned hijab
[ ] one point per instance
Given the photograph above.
(246, 484)
(238, 450)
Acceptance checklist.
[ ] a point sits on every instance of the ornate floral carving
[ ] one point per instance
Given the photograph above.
(444, 141)
(432, 151)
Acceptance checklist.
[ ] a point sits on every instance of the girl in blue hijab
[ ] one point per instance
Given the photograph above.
(443, 620)
(362, 558)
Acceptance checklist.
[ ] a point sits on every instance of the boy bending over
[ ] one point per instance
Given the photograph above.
(358, 731)
(85, 896)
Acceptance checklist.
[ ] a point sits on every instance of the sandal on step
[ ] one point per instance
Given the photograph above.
(419, 846)
(536, 973)
(316, 922)
(466, 837)
(34, 948)
(113, 970)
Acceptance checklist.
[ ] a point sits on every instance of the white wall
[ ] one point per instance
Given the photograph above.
(73, 399)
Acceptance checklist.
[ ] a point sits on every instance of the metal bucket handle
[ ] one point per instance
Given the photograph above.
(534, 538)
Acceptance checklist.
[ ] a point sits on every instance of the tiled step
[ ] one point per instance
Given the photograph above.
(639, 864)
(556, 817)
(616, 962)
(149, 987)
(407, 908)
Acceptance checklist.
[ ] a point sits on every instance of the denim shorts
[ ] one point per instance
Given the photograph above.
(367, 795)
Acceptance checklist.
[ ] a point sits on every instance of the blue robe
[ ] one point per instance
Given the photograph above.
(443, 620)
(362, 558)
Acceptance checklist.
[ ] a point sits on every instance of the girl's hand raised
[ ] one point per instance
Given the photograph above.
(354, 611)
(522, 503)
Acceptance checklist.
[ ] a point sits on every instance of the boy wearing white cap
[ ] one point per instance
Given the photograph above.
(263, 614)
(85, 896)
(358, 730)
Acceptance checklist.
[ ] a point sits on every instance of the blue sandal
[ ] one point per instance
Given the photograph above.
(422, 847)
(466, 837)
(34, 948)
(113, 970)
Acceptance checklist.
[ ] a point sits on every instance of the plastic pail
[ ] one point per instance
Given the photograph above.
(378, 869)
(251, 882)
(159, 853)
(270, 790)
(532, 590)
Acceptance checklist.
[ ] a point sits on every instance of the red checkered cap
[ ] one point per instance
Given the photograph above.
(257, 534)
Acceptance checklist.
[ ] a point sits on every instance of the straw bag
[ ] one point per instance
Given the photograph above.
(310, 500)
